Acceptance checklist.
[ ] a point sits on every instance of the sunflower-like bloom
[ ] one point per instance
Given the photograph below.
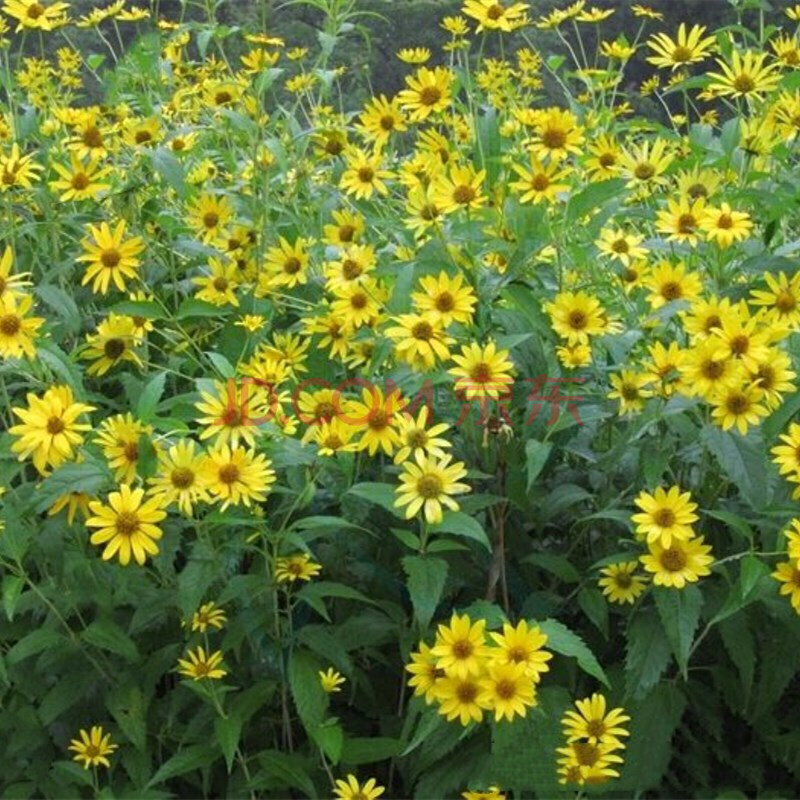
(428, 484)
(688, 47)
(111, 258)
(127, 525)
(93, 747)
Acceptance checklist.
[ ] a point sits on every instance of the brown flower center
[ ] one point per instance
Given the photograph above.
(671, 290)
(366, 174)
(429, 486)
(664, 517)
(430, 95)
(10, 324)
(114, 348)
(110, 258)
(182, 478)
(55, 425)
(463, 195)
(673, 559)
(229, 473)
(210, 219)
(423, 331)
(127, 523)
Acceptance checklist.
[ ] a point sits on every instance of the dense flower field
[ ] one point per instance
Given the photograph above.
(441, 444)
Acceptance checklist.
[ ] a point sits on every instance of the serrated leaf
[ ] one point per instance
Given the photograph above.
(560, 639)
(228, 730)
(536, 454)
(382, 494)
(648, 653)
(150, 397)
(368, 750)
(288, 770)
(554, 564)
(193, 757)
(426, 578)
(89, 477)
(679, 610)
(107, 635)
(460, 524)
(741, 646)
(309, 698)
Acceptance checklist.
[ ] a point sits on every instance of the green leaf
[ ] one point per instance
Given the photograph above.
(382, 494)
(107, 635)
(592, 197)
(288, 770)
(536, 454)
(127, 705)
(593, 604)
(359, 750)
(90, 477)
(169, 168)
(12, 591)
(148, 309)
(554, 564)
(330, 738)
(309, 697)
(460, 524)
(426, 580)
(150, 397)
(743, 460)
(648, 653)
(741, 646)
(198, 308)
(523, 752)
(649, 750)
(195, 756)
(33, 643)
(228, 730)
(679, 610)
(560, 639)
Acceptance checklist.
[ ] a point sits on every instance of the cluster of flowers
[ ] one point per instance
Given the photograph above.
(590, 753)
(676, 555)
(465, 675)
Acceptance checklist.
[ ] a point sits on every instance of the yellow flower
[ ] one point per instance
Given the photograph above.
(460, 188)
(591, 722)
(299, 567)
(236, 475)
(644, 165)
(724, 226)
(746, 76)
(180, 477)
(111, 344)
(460, 697)
(351, 789)
(494, 16)
(11, 285)
(665, 515)
(629, 389)
(681, 563)
(80, 181)
(507, 690)
(73, 502)
(687, 47)
(738, 405)
(460, 647)
(445, 299)
(787, 455)
(209, 216)
(381, 118)
(199, 665)
(524, 646)
(49, 431)
(681, 220)
(426, 675)
(492, 793)
(417, 439)
(208, 615)
(414, 55)
(219, 288)
(781, 299)
(576, 316)
(331, 680)
(110, 257)
(557, 134)
(620, 584)
(622, 246)
(285, 265)
(540, 183)
(364, 174)
(427, 485)
(347, 228)
(252, 323)
(419, 340)
(482, 372)
(233, 413)
(669, 282)
(93, 748)
(18, 330)
(127, 525)
(119, 438)
(428, 92)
